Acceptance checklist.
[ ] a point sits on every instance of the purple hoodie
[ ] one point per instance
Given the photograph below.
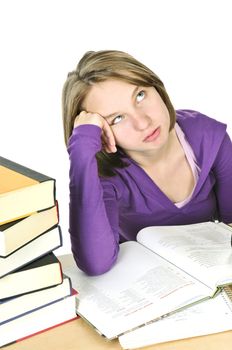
(106, 211)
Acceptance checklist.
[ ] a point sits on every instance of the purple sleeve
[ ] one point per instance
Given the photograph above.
(222, 170)
(93, 212)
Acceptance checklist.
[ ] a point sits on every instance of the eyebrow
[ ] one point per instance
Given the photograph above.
(135, 91)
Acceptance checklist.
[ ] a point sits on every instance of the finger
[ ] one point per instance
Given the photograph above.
(78, 118)
(109, 143)
(108, 134)
(107, 146)
(110, 149)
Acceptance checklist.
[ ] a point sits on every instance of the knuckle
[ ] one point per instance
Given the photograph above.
(96, 115)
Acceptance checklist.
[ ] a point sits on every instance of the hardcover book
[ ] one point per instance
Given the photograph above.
(37, 248)
(23, 191)
(16, 234)
(39, 320)
(41, 273)
(14, 307)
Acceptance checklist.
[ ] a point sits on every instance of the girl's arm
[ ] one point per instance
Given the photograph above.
(93, 212)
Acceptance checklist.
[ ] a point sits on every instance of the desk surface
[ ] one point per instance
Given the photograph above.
(79, 335)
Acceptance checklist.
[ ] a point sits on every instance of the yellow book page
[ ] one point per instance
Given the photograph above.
(17, 218)
(12, 180)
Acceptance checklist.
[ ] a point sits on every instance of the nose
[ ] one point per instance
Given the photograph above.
(141, 121)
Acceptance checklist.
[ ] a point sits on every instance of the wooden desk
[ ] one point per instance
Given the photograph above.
(77, 335)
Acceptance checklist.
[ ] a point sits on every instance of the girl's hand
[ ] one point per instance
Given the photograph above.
(107, 136)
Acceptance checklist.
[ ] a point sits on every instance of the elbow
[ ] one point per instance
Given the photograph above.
(96, 270)
(95, 266)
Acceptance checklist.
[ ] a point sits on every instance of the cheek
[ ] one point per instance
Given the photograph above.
(121, 136)
(164, 115)
(118, 135)
(168, 121)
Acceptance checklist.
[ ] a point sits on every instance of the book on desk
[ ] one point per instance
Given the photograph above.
(165, 271)
(39, 320)
(208, 317)
(34, 293)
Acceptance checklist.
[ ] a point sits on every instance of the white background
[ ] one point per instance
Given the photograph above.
(186, 42)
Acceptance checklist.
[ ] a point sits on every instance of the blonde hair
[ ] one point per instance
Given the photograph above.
(99, 66)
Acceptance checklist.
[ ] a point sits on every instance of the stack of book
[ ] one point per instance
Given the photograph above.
(34, 293)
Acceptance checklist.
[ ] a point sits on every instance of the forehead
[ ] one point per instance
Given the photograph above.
(107, 95)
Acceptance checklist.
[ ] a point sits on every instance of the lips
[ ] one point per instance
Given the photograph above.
(152, 136)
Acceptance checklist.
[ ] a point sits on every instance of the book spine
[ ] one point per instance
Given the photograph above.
(227, 296)
(228, 290)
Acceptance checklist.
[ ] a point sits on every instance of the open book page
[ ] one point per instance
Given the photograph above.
(139, 288)
(203, 250)
(208, 317)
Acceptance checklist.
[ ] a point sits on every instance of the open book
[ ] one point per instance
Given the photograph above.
(210, 316)
(166, 270)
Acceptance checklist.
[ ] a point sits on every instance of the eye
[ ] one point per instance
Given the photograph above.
(140, 96)
(117, 119)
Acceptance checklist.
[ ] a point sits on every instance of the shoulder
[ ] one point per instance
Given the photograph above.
(197, 124)
(188, 117)
(204, 134)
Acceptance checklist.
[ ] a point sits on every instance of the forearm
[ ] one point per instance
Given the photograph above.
(94, 241)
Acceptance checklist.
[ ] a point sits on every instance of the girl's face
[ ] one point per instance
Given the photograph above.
(138, 117)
